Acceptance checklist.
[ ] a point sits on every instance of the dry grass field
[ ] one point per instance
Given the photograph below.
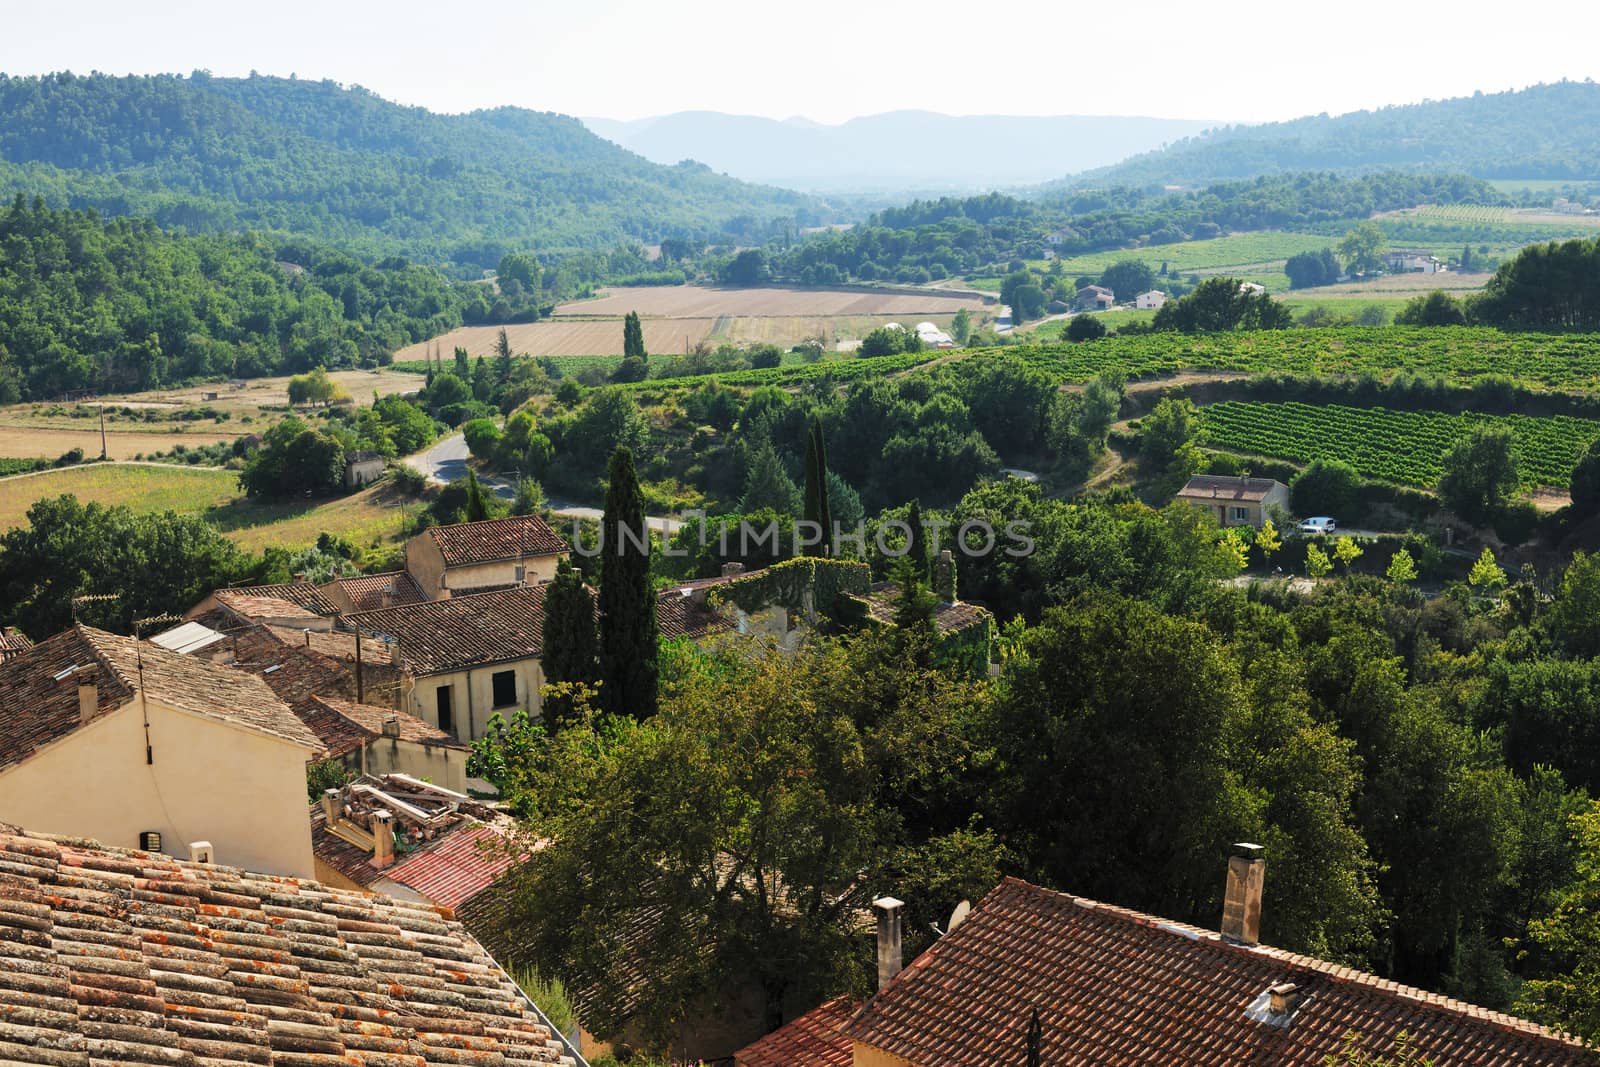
(693, 301)
(27, 442)
(580, 337)
(1402, 285)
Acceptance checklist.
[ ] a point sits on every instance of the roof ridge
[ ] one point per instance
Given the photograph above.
(90, 636)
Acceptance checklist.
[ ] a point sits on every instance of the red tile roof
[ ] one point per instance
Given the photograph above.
(681, 616)
(812, 1040)
(116, 956)
(1116, 987)
(449, 870)
(302, 595)
(884, 600)
(1208, 487)
(467, 543)
(370, 591)
(12, 641)
(41, 700)
(345, 726)
(464, 631)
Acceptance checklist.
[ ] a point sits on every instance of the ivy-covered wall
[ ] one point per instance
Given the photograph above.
(785, 585)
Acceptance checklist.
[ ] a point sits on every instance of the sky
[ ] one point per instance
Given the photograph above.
(829, 60)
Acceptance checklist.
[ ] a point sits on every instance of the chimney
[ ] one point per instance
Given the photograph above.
(330, 806)
(730, 570)
(308, 637)
(1241, 906)
(88, 700)
(889, 961)
(1283, 998)
(391, 726)
(395, 658)
(201, 852)
(382, 839)
(944, 576)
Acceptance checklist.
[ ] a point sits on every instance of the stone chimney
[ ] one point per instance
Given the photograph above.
(1241, 906)
(889, 961)
(730, 570)
(382, 838)
(1283, 998)
(391, 726)
(88, 699)
(330, 806)
(944, 576)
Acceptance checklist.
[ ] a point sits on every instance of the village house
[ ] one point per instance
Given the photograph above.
(1094, 298)
(1412, 261)
(368, 592)
(1088, 983)
(1252, 289)
(469, 557)
(134, 745)
(362, 468)
(1154, 300)
(1236, 501)
(378, 741)
(297, 604)
(119, 956)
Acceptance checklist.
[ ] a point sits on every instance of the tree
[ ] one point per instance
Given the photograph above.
(767, 486)
(918, 558)
(1221, 304)
(1585, 482)
(817, 507)
(1346, 551)
(528, 497)
(522, 268)
(1268, 541)
(315, 387)
(747, 268)
(961, 326)
(1571, 1000)
(1309, 269)
(483, 438)
(1480, 475)
(1317, 563)
(1324, 487)
(1402, 568)
(477, 510)
(294, 459)
(1486, 573)
(882, 341)
(632, 336)
(1128, 278)
(1435, 309)
(502, 356)
(627, 597)
(1021, 292)
(1573, 621)
(1085, 328)
(1363, 248)
(571, 645)
(1546, 287)
(1234, 549)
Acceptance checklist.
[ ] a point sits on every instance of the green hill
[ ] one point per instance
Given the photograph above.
(1544, 132)
(345, 166)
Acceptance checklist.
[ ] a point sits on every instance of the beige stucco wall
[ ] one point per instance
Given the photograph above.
(445, 767)
(867, 1056)
(472, 699)
(426, 565)
(535, 569)
(241, 790)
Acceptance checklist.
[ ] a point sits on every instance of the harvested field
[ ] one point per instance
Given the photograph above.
(693, 301)
(28, 442)
(1401, 285)
(580, 337)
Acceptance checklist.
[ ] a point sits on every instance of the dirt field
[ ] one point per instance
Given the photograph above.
(693, 301)
(580, 337)
(28, 442)
(1401, 285)
(360, 384)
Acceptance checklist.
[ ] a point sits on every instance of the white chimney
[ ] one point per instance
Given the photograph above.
(382, 838)
(1241, 906)
(88, 700)
(889, 961)
(201, 852)
(330, 806)
(391, 726)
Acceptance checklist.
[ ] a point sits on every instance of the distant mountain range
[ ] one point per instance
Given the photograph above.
(912, 152)
(343, 165)
(1543, 132)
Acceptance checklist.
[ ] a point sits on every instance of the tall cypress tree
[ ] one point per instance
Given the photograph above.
(632, 336)
(817, 508)
(917, 548)
(571, 646)
(627, 599)
(477, 510)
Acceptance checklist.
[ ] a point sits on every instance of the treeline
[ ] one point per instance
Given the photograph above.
(118, 304)
(1550, 288)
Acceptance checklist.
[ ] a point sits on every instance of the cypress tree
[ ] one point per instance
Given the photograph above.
(571, 645)
(817, 508)
(917, 547)
(632, 336)
(627, 599)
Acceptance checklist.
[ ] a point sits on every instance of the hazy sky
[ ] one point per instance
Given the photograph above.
(831, 59)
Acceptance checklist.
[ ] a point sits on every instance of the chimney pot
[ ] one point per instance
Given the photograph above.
(330, 806)
(1241, 906)
(889, 952)
(88, 700)
(731, 569)
(382, 839)
(391, 726)
(1283, 998)
(201, 852)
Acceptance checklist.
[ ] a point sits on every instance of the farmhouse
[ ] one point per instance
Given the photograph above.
(1235, 501)
(362, 468)
(1252, 289)
(1094, 298)
(1413, 261)
(130, 743)
(468, 557)
(122, 956)
(1151, 301)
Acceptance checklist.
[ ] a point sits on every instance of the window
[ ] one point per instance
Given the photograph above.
(1241, 514)
(505, 688)
(522, 572)
(447, 718)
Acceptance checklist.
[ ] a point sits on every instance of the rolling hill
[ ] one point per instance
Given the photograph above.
(343, 165)
(1543, 132)
(899, 151)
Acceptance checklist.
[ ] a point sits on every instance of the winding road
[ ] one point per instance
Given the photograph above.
(446, 460)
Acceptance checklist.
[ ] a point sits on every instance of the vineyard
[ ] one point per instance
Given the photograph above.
(1393, 446)
(1210, 256)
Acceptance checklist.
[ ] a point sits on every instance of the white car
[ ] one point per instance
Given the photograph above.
(1320, 524)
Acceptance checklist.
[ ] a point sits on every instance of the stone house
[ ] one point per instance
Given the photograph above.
(466, 557)
(1236, 501)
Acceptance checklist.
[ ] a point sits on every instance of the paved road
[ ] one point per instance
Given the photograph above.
(446, 460)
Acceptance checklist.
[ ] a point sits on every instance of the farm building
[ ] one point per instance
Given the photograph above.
(933, 337)
(1235, 501)
(1094, 298)
(1413, 261)
(362, 468)
(1252, 289)
(1150, 301)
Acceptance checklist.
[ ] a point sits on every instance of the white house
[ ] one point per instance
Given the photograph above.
(1413, 261)
(1150, 301)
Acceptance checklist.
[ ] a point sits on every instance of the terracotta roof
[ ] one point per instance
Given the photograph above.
(345, 726)
(1117, 987)
(334, 644)
(812, 1040)
(467, 543)
(371, 591)
(115, 956)
(884, 599)
(41, 698)
(464, 631)
(1221, 487)
(449, 870)
(302, 595)
(681, 616)
(12, 641)
(291, 671)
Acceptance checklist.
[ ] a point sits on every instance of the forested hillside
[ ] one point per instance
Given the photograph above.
(343, 165)
(1546, 131)
(119, 304)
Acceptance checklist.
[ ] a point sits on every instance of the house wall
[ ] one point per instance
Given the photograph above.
(442, 766)
(425, 563)
(536, 569)
(358, 474)
(472, 696)
(242, 791)
(867, 1056)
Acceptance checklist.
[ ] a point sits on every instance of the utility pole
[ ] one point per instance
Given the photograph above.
(360, 693)
(103, 454)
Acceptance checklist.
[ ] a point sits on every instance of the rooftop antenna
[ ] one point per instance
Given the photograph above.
(138, 660)
(91, 598)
